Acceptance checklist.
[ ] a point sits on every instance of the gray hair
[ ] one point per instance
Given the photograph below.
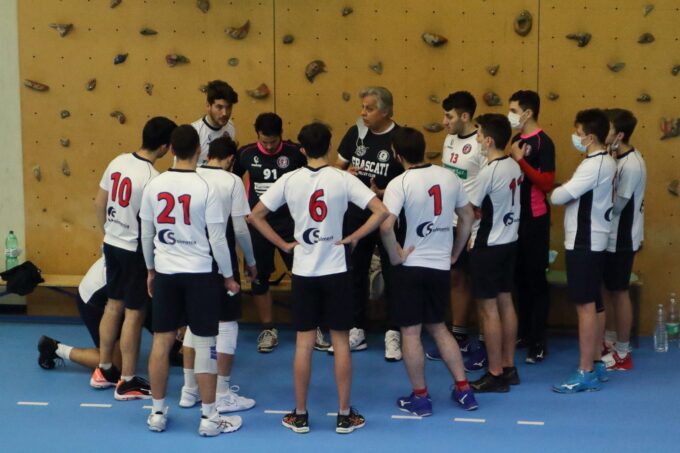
(383, 95)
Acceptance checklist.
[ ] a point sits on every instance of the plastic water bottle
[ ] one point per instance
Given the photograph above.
(673, 323)
(660, 334)
(11, 251)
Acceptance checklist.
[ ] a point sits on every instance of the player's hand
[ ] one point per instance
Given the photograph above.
(348, 241)
(352, 170)
(231, 285)
(290, 246)
(453, 260)
(402, 254)
(151, 275)
(374, 187)
(518, 151)
(251, 273)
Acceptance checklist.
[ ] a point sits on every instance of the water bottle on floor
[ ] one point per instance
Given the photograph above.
(11, 251)
(673, 323)
(660, 334)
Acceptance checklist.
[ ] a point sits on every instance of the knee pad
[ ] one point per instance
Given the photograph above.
(227, 337)
(204, 362)
(188, 341)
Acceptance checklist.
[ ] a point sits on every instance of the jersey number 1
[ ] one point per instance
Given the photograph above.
(164, 216)
(317, 207)
(436, 193)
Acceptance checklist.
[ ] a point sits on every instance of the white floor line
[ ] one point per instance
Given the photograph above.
(31, 403)
(407, 417)
(525, 422)
(147, 407)
(95, 405)
(470, 420)
(272, 411)
(332, 414)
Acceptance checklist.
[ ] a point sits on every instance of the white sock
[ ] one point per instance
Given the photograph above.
(64, 351)
(622, 348)
(610, 336)
(126, 378)
(105, 366)
(190, 378)
(207, 409)
(158, 405)
(223, 383)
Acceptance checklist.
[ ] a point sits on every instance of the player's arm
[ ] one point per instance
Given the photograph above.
(583, 180)
(245, 243)
(220, 250)
(100, 202)
(378, 215)
(466, 216)
(396, 253)
(258, 218)
(148, 233)
(619, 204)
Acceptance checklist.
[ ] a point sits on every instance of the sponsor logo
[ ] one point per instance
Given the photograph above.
(282, 162)
(608, 214)
(467, 148)
(361, 150)
(528, 151)
(313, 236)
(111, 212)
(256, 162)
(384, 156)
(509, 218)
(166, 237)
(427, 228)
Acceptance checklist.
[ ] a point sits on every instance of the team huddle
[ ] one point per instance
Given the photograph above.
(476, 228)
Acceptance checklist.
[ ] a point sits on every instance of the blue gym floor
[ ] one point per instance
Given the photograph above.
(635, 411)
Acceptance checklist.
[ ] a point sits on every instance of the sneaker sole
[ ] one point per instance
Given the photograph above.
(187, 405)
(349, 430)
(391, 359)
(156, 429)
(414, 413)
(303, 430)
(569, 392)
(265, 350)
(321, 348)
(131, 397)
(101, 385)
(212, 434)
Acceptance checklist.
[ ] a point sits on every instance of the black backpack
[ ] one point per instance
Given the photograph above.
(22, 279)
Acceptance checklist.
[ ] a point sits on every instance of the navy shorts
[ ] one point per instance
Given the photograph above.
(420, 296)
(126, 277)
(584, 276)
(492, 270)
(322, 301)
(617, 269)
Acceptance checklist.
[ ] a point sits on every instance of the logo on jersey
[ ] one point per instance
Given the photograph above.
(361, 150)
(608, 215)
(282, 162)
(383, 156)
(313, 236)
(427, 228)
(111, 212)
(509, 218)
(256, 162)
(467, 148)
(167, 237)
(528, 151)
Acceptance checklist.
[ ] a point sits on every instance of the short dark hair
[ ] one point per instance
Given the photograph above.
(461, 101)
(595, 122)
(315, 138)
(184, 141)
(221, 148)
(409, 143)
(496, 126)
(219, 89)
(527, 100)
(269, 124)
(623, 121)
(156, 132)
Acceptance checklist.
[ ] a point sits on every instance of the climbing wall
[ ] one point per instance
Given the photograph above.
(350, 38)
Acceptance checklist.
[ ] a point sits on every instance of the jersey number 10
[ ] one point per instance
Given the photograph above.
(164, 216)
(121, 190)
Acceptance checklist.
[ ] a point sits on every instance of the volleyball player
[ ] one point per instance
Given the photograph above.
(220, 101)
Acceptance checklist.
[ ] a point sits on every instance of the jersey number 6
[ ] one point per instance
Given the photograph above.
(164, 216)
(317, 207)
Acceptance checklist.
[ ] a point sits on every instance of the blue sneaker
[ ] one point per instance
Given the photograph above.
(421, 406)
(475, 360)
(600, 369)
(580, 381)
(466, 398)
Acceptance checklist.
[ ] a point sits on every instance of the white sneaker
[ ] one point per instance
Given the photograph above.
(158, 420)
(357, 341)
(267, 340)
(392, 346)
(231, 401)
(217, 424)
(321, 344)
(190, 397)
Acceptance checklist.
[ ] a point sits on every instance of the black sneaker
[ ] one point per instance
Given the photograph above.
(510, 375)
(535, 354)
(135, 389)
(348, 423)
(47, 349)
(103, 379)
(490, 384)
(299, 423)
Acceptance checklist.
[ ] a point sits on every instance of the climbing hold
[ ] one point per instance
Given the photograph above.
(288, 39)
(346, 11)
(644, 97)
(64, 114)
(238, 32)
(434, 39)
(553, 96)
(673, 187)
(120, 58)
(346, 96)
(203, 88)
(670, 128)
(91, 84)
(148, 88)
(582, 39)
(648, 8)
(233, 61)
(646, 38)
(492, 99)
(37, 174)
(493, 70)
(62, 29)
(203, 5)
(148, 31)
(376, 67)
(65, 142)
(173, 59)
(433, 127)
(675, 70)
(313, 69)
(523, 23)
(616, 67)
(65, 169)
(260, 92)
(37, 86)
(434, 98)
(120, 116)
(115, 3)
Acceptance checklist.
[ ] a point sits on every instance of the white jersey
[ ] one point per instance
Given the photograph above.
(181, 203)
(463, 156)
(125, 179)
(429, 196)
(208, 133)
(631, 179)
(587, 219)
(496, 193)
(317, 200)
(94, 280)
(228, 187)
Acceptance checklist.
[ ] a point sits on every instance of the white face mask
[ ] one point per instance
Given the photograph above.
(576, 141)
(515, 120)
(614, 145)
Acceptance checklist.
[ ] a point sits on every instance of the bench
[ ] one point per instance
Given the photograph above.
(558, 279)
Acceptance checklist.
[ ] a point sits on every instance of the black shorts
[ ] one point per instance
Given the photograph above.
(91, 313)
(230, 308)
(420, 296)
(126, 277)
(322, 301)
(264, 257)
(492, 270)
(617, 269)
(463, 262)
(187, 299)
(584, 276)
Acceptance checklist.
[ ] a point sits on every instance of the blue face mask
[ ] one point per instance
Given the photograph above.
(576, 141)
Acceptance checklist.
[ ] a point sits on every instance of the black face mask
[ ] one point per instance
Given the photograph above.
(22, 279)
